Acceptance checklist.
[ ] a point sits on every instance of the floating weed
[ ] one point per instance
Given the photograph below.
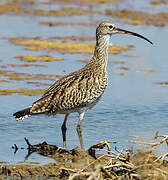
(32, 92)
(39, 84)
(49, 23)
(145, 70)
(64, 11)
(161, 82)
(84, 61)
(118, 62)
(95, 1)
(158, 2)
(124, 68)
(64, 46)
(77, 2)
(13, 75)
(30, 58)
(23, 65)
(11, 8)
(26, 38)
(150, 70)
(102, 1)
(131, 55)
(74, 38)
(23, 7)
(119, 74)
(16, 78)
(2, 81)
(138, 17)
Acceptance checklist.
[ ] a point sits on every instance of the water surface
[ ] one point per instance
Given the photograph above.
(131, 105)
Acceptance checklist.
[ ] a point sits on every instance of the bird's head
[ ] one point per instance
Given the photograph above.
(107, 28)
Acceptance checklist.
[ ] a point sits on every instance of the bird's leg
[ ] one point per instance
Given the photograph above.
(63, 128)
(79, 130)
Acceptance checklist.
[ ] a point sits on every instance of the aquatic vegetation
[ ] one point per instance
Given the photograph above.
(119, 74)
(64, 46)
(138, 17)
(51, 38)
(17, 78)
(131, 55)
(124, 68)
(1, 81)
(118, 62)
(64, 11)
(30, 58)
(157, 2)
(23, 65)
(84, 60)
(11, 8)
(31, 92)
(150, 70)
(13, 75)
(161, 82)
(31, 7)
(49, 23)
(74, 38)
(39, 83)
(96, 1)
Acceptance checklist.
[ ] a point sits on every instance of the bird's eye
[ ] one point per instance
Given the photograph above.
(110, 26)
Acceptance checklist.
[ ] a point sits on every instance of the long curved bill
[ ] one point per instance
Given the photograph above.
(122, 31)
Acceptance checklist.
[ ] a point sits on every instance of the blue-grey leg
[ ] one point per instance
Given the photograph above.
(79, 129)
(63, 128)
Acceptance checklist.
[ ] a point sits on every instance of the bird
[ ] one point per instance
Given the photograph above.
(79, 90)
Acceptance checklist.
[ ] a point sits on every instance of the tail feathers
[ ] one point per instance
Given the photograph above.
(20, 115)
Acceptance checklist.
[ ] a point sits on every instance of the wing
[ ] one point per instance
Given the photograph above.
(72, 91)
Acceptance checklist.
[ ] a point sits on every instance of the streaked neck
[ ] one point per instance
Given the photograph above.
(101, 49)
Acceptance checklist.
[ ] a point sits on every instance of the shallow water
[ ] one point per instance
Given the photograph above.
(131, 105)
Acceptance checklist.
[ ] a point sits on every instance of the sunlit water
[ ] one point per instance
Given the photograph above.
(131, 105)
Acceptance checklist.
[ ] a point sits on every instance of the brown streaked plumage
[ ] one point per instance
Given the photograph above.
(80, 90)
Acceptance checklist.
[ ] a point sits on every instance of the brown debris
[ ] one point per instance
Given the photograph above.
(152, 144)
(47, 149)
(100, 145)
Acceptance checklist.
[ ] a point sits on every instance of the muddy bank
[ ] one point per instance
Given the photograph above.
(101, 161)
